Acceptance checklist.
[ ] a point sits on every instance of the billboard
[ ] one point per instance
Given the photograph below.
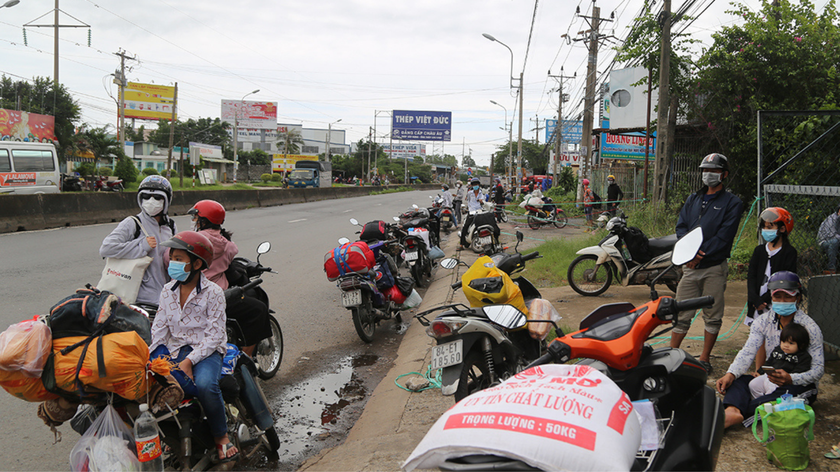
(572, 131)
(628, 103)
(402, 151)
(625, 146)
(199, 150)
(26, 127)
(149, 101)
(567, 158)
(249, 114)
(286, 162)
(421, 125)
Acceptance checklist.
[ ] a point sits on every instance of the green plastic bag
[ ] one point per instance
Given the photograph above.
(785, 434)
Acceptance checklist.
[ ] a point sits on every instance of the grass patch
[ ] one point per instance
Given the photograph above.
(550, 270)
(176, 186)
(392, 190)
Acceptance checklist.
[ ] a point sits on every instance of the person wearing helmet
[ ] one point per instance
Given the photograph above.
(588, 200)
(765, 334)
(446, 197)
(718, 212)
(250, 313)
(474, 199)
(190, 325)
(460, 193)
(614, 194)
(829, 238)
(774, 255)
(128, 239)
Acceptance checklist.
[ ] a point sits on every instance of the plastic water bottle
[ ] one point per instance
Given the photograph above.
(148, 442)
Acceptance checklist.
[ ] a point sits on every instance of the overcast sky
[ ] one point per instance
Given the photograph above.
(325, 60)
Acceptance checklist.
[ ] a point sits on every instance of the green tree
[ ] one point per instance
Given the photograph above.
(467, 161)
(256, 157)
(126, 170)
(97, 141)
(138, 135)
(290, 141)
(203, 130)
(42, 96)
(782, 57)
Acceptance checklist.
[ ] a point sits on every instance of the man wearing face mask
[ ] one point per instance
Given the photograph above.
(127, 240)
(718, 212)
(473, 199)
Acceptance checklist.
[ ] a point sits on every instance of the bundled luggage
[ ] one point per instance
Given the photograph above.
(374, 231)
(351, 257)
(89, 310)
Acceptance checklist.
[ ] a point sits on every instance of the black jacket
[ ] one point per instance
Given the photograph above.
(791, 363)
(614, 193)
(785, 259)
(719, 221)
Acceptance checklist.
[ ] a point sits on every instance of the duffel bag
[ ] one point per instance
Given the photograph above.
(351, 257)
(374, 231)
(87, 310)
(24, 387)
(383, 275)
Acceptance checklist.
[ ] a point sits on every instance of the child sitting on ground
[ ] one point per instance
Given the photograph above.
(791, 355)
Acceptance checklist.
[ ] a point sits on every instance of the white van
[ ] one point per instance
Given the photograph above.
(27, 168)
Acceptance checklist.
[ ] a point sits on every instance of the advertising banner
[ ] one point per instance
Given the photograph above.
(149, 101)
(567, 158)
(252, 115)
(199, 150)
(402, 151)
(26, 127)
(572, 131)
(286, 162)
(421, 125)
(625, 146)
(628, 102)
(19, 179)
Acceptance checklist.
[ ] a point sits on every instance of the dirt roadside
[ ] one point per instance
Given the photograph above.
(394, 420)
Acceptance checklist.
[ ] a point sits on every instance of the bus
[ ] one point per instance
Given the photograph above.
(311, 174)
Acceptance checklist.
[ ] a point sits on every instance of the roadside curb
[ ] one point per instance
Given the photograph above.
(377, 437)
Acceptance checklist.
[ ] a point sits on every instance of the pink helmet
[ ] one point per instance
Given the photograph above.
(585, 181)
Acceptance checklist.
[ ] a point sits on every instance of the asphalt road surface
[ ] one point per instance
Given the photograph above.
(41, 267)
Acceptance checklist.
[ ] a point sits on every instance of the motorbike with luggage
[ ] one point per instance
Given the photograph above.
(447, 214)
(483, 233)
(627, 255)
(372, 292)
(541, 211)
(421, 244)
(686, 418)
(474, 351)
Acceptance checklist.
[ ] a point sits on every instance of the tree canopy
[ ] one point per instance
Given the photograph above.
(204, 130)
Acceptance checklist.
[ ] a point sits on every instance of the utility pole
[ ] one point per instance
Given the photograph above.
(56, 25)
(558, 130)
(537, 129)
(519, 146)
(172, 134)
(662, 113)
(122, 82)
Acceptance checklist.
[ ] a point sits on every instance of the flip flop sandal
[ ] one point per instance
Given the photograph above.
(834, 454)
(223, 449)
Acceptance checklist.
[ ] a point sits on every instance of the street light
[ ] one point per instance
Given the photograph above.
(329, 132)
(10, 3)
(236, 134)
(512, 86)
(510, 144)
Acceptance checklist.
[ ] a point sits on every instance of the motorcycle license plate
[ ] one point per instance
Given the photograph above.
(410, 256)
(484, 241)
(445, 218)
(351, 298)
(447, 354)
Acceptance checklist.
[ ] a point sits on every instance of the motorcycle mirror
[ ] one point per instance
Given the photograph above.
(354, 221)
(449, 263)
(395, 219)
(519, 236)
(264, 247)
(686, 248)
(506, 316)
(343, 241)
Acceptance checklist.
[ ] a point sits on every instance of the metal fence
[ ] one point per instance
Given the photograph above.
(799, 170)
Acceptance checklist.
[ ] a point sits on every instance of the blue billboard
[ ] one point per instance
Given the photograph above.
(421, 125)
(572, 131)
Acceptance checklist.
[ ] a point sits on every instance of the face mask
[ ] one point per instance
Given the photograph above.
(476, 187)
(177, 270)
(152, 207)
(611, 182)
(712, 179)
(769, 235)
(784, 308)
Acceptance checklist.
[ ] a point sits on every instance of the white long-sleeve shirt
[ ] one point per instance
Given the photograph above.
(447, 198)
(200, 324)
(474, 201)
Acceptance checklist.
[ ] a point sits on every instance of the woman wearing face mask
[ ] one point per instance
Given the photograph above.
(776, 254)
(127, 240)
(765, 333)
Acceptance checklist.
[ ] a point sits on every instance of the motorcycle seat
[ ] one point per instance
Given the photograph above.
(663, 244)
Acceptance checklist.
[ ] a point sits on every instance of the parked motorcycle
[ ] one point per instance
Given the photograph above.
(447, 215)
(542, 211)
(482, 233)
(71, 183)
(102, 183)
(474, 352)
(611, 339)
(627, 254)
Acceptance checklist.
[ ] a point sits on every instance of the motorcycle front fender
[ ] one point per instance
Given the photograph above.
(602, 255)
(253, 397)
(693, 441)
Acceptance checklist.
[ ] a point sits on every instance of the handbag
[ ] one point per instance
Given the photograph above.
(123, 277)
(786, 428)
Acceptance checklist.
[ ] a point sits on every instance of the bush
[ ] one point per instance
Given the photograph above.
(104, 171)
(150, 171)
(126, 170)
(276, 177)
(265, 178)
(85, 169)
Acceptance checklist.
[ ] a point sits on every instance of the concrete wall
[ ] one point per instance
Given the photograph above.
(33, 212)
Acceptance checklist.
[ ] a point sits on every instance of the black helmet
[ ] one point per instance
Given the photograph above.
(475, 181)
(156, 182)
(784, 280)
(715, 161)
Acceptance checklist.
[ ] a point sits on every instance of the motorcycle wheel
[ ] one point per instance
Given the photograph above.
(560, 220)
(475, 245)
(120, 188)
(418, 271)
(474, 375)
(533, 222)
(273, 443)
(588, 278)
(269, 352)
(503, 216)
(365, 323)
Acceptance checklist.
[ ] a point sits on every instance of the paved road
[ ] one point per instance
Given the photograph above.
(41, 267)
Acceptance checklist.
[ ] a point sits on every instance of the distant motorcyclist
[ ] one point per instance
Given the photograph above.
(499, 193)
(474, 200)
(460, 193)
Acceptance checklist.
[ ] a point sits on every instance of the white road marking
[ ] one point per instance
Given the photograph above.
(296, 221)
(347, 211)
